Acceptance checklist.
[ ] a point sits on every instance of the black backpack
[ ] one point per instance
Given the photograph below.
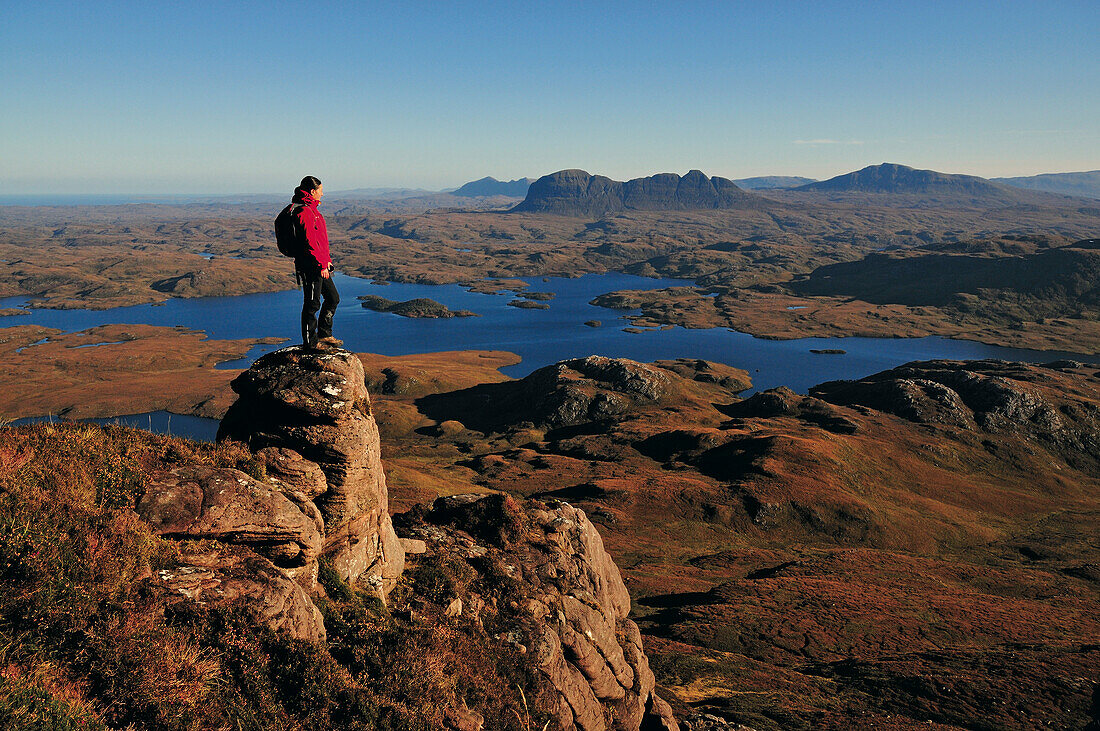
(290, 237)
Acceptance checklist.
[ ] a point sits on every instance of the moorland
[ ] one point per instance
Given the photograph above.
(916, 546)
(747, 254)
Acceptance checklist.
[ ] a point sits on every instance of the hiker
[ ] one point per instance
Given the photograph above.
(313, 267)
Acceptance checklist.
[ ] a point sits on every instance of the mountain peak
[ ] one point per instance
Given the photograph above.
(575, 192)
(890, 177)
(490, 186)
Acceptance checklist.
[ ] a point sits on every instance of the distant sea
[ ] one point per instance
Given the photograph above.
(88, 200)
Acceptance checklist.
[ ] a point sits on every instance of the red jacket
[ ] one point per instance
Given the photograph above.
(314, 225)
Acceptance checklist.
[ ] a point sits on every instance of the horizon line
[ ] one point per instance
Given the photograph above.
(208, 194)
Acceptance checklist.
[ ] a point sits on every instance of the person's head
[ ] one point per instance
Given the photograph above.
(312, 185)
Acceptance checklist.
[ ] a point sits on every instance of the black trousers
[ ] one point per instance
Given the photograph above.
(314, 287)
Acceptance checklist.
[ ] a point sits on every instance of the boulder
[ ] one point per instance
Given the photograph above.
(289, 472)
(239, 577)
(196, 502)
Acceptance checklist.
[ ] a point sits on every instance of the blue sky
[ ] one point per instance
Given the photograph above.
(195, 97)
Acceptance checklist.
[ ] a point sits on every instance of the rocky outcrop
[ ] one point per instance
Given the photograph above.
(704, 371)
(265, 561)
(546, 584)
(782, 401)
(314, 407)
(997, 397)
(587, 389)
(563, 394)
(582, 390)
(576, 193)
(198, 502)
(316, 489)
(535, 585)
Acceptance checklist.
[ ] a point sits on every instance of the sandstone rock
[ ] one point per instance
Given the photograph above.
(413, 546)
(563, 603)
(315, 405)
(237, 576)
(290, 472)
(228, 505)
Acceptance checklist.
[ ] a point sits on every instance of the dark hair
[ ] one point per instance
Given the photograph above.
(309, 183)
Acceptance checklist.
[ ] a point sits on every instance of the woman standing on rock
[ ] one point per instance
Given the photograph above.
(314, 268)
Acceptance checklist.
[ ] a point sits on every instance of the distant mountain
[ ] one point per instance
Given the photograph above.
(773, 182)
(1086, 184)
(491, 186)
(576, 193)
(893, 178)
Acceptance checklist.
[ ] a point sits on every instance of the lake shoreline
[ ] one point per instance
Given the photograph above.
(537, 337)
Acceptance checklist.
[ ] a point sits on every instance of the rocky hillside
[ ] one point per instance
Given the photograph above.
(576, 193)
(1023, 281)
(267, 587)
(876, 554)
(572, 392)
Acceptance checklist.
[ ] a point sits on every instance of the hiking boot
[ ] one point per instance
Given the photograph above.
(330, 342)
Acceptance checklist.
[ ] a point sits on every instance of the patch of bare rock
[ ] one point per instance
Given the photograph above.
(996, 397)
(577, 391)
(558, 598)
(537, 579)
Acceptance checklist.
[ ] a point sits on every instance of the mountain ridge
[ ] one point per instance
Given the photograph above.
(576, 192)
(891, 177)
(490, 186)
(1085, 184)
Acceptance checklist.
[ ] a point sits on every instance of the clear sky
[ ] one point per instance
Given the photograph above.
(239, 97)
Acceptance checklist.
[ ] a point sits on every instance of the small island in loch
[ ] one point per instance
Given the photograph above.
(420, 308)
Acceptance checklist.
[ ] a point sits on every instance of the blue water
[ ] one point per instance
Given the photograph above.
(540, 337)
(161, 422)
